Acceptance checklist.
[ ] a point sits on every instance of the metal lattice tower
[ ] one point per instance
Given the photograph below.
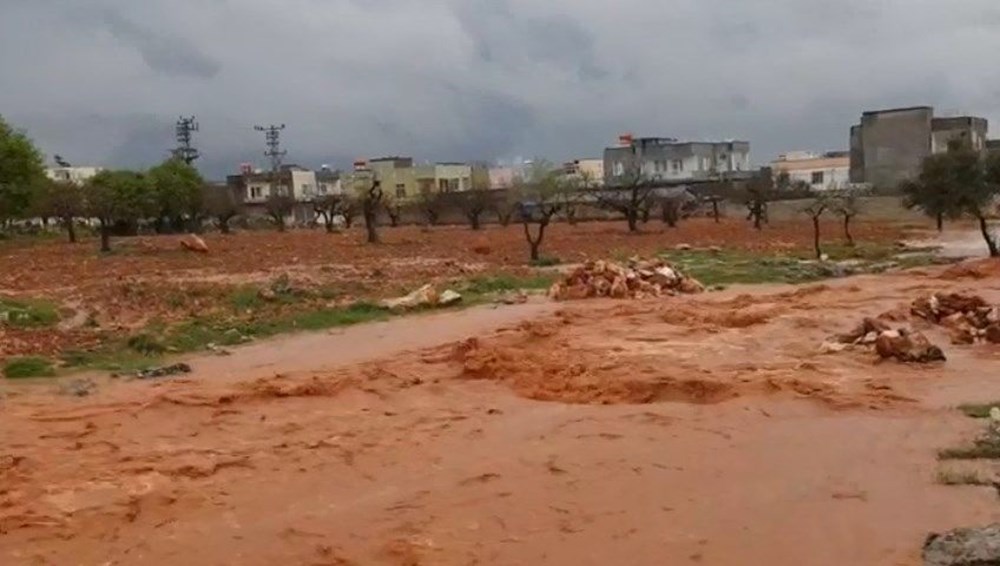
(184, 150)
(272, 137)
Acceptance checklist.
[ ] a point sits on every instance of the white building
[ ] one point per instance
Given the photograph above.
(667, 159)
(75, 175)
(828, 171)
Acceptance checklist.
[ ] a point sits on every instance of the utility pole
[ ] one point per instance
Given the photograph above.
(184, 150)
(272, 140)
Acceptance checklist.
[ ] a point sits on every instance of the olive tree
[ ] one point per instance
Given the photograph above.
(21, 171)
(117, 197)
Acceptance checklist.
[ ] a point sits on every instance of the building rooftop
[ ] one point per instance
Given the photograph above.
(901, 109)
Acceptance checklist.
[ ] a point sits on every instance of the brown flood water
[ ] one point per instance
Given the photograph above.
(706, 430)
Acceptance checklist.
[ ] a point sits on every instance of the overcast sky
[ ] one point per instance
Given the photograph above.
(102, 81)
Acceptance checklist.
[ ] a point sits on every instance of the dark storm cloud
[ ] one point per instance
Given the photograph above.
(163, 53)
(479, 79)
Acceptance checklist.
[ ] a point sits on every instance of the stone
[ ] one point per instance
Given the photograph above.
(423, 296)
(963, 547)
(993, 334)
(832, 347)
(683, 247)
(690, 286)
(619, 289)
(165, 371)
(449, 297)
(907, 347)
(193, 243)
(267, 294)
(962, 335)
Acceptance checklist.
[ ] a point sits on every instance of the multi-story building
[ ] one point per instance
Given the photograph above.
(830, 170)
(588, 171)
(402, 179)
(668, 160)
(889, 146)
(254, 187)
(69, 174)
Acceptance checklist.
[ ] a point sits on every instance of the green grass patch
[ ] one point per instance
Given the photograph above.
(978, 410)
(545, 262)
(110, 358)
(146, 344)
(961, 477)
(25, 367)
(245, 298)
(478, 286)
(28, 313)
(727, 267)
(730, 267)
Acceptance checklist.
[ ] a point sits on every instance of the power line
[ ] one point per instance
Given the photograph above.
(185, 151)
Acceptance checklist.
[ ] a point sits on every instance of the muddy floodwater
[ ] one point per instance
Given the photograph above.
(690, 430)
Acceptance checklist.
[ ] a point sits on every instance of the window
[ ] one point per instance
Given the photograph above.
(322, 188)
(443, 185)
(619, 168)
(256, 192)
(400, 191)
(677, 165)
(817, 178)
(706, 164)
(452, 185)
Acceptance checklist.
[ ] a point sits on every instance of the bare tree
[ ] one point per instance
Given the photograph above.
(670, 209)
(758, 194)
(371, 201)
(221, 204)
(474, 203)
(279, 206)
(541, 201)
(847, 205)
(394, 210)
(432, 204)
(328, 207)
(815, 210)
(631, 193)
(714, 200)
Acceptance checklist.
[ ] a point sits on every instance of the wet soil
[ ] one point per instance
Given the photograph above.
(704, 429)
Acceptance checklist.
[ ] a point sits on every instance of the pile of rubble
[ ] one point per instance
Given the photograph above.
(969, 318)
(640, 279)
(901, 344)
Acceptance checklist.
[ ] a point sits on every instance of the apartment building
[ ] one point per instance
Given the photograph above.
(889, 146)
(673, 161)
(819, 171)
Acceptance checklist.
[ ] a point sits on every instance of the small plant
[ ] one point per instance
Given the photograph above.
(961, 477)
(545, 261)
(146, 345)
(28, 314)
(25, 367)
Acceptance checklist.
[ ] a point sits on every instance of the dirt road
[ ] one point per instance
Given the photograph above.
(704, 430)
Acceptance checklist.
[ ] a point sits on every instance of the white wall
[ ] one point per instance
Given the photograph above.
(303, 185)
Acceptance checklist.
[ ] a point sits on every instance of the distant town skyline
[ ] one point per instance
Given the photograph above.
(460, 80)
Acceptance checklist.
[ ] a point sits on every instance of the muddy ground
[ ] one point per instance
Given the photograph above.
(150, 281)
(689, 430)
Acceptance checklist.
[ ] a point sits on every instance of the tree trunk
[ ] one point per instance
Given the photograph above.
(70, 229)
(715, 210)
(474, 220)
(940, 222)
(105, 237)
(847, 231)
(535, 243)
(819, 252)
(328, 222)
(280, 220)
(224, 226)
(371, 226)
(632, 216)
(991, 242)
